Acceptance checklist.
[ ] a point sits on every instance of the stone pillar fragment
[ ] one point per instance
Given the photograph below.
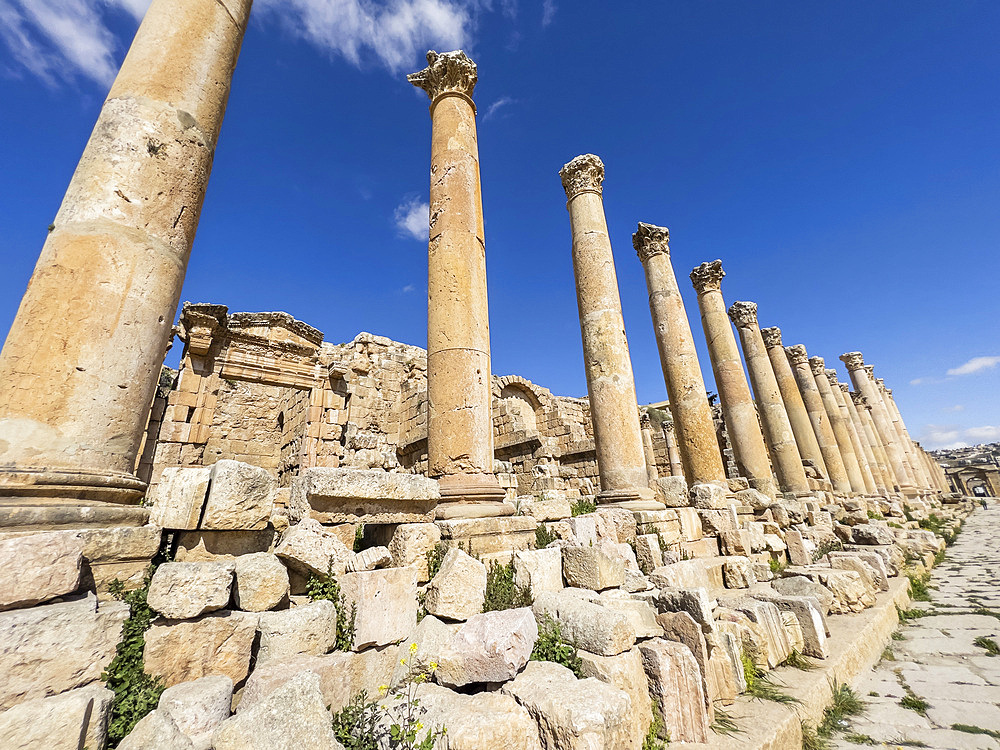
(818, 367)
(859, 450)
(647, 449)
(83, 356)
(621, 462)
(774, 419)
(673, 455)
(459, 387)
(738, 408)
(694, 429)
(882, 485)
(798, 358)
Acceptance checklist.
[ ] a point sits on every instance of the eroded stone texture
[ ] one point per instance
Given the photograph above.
(38, 567)
(199, 707)
(240, 497)
(156, 729)
(306, 629)
(60, 722)
(675, 684)
(217, 643)
(592, 627)
(181, 590)
(624, 672)
(261, 582)
(179, 497)
(475, 722)
(383, 604)
(491, 647)
(309, 548)
(538, 570)
(410, 544)
(592, 568)
(459, 588)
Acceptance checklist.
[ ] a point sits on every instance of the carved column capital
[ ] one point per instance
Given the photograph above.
(583, 174)
(650, 240)
(817, 365)
(645, 422)
(888, 392)
(831, 375)
(881, 383)
(772, 336)
(852, 360)
(446, 73)
(844, 387)
(797, 354)
(859, 400)
(870, 369)
(708, 276)
(743, 314)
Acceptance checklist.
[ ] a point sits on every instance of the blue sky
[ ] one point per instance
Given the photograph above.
(840, 158)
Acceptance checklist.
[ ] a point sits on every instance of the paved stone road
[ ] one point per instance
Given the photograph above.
(937, 660)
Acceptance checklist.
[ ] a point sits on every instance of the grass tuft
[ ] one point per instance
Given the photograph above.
(992, 649)
(914, 703)
(970, 729)
(811, 739)
(761, 685)
(582, 507)
(845, 702)
(860, 739)
(724, 723)
(796, 660)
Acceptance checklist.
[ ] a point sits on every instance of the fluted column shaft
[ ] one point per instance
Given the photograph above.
(738, 408)
(837, 423)
(859, 449)
(882, 484)
(692, 416)
(777, 429)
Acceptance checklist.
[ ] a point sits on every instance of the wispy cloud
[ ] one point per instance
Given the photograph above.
(974, 365)
(411, 217)
(956, 407)
(495, 107)
(937, 437)
(409, 288)
(548, 12)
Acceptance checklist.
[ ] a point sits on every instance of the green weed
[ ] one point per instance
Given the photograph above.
(501, 591)
(550, 646)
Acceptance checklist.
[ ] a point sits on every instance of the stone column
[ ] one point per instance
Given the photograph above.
(459, 388)
(83, 356)
(738, 408)
(919, 473)
(798, 416)
(647, 448)
(700, 455)
(865, 385)
(621, 463)
(818, 367)
(798, 358)
(864, 410)
(875, 467)
(852, 432)
(673, 455)
(773, 418)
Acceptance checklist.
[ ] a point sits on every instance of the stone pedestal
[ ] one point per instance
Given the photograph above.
(459, 388)
(852, 432)
(621, 463)
(737, 404)
(83, 356)
(699, 450)
(773, 418)
(818, 367)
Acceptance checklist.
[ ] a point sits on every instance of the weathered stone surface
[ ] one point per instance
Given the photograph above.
(709, 496)
(794, 631)
(199, 707)
(490, 647)
(592, 568)
(261, 582)
(458, 590)
(38, 567)
(217, 643)
(410, 544)
(369, 559)
(292, 717)
(797, 552)
(182, 590)
(640, 612)
(648, 553)
(738, 573)
(59, 722)
(120, 543)
(682, 628)
(573, 714)
(477, 722)
(592, 627)
(693, 601)
(872, 534)
(484, 536)
(624, 672)
(584, 529)
(306, 629)
(240, 496)
(802, 586)
(52, 648)
(156, 729)
(309, 548)
(538, 570)
(384, 605)
(714, 522)
(872, 577)
(344, 494)
(850, 594)
(811, 623)
(623, 521)
(431, 637)
(221, 546)
(683, 574)
(554, 509)
(675, 683)
(179, 496)
(725, 646)
(767, 616)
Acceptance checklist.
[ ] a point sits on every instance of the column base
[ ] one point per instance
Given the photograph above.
(471, 496)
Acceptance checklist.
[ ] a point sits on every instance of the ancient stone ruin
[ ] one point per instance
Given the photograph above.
(229, 555)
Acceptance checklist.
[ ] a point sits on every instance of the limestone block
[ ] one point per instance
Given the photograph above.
(490, 647)
(477, 722)
(754, 498)
(215, 644)
(672, 491)
(720, 677)
(793, 630)
(877, 564)
(592, 627)
(39, 567)
(797, 553)
(724, 643)
(383, 603)
(156, 729)
(485, 536)
(870, 534)
(410, 544)
(812, 626)
(802, 586)
(767, 616)
(675, 684)
(714, 522)
(339, 495)
(757, 539)
(694, 601)
(872, 577)
(199, 707)
(709, 496)
(775, 545)
(648, 552)
(683, 574)
(573, 714)
(369, 559)
(850, 594)
(240, 496)
(642, 614)
(306, 629)
(309, 548)
(584, 529)
(179, 496)
(182, 590)
(458, 590)
(735, 542)
(554, 509)
(738, 573)
(292, 716)
(624, 672)
(592, 568)
(623, 521)
(538, 570)
(690, 521)
(59, 722)
(53, 648)
(261, 582)
(681, 627)
(431, 636)
(221, 546)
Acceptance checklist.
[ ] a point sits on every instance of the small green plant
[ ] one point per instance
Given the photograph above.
(919, 591)
(434, 559)
(796, 660)
(893, 525)
(761, 685)
(897, 635)
(873, 693)
(777, 566)
(992, 649)
(652, 740)
(582, 507)
(875, 515)
(811, 739)
(327, 587)
(501, 591)
(359, 537)
(970, 729)
(845, 702)
(550, 646)
(905, 615)
(543, 537)
(724, 723)
(914, 703)
(830, 545)
(860, 739)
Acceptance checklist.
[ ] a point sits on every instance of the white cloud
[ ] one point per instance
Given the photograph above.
(956, 407)
(503, 101)
(548, 12)
(937, 437)
(409, 288)
(974, 365)
(411, 218)
(984, 434)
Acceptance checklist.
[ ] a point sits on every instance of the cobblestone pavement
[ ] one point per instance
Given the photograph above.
(937, 660)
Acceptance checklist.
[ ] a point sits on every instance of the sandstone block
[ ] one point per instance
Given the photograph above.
(179, 496)
(309, 548)
(738, 573)
(410, 544)
(797, 552)
(626, 673)
(802, 586)
(478, 722)
(431, 637)
(59, 722)
(182, 590)
(675, 683)
(384, 605)
(693, 601)
(199, 707)
(458, 590)
(156, 729)
(538, 570)
(240, 496)
(592, 568)
(592, 627)
(38, 567)
(261, 582)
(215, 644)
(306, 629)
(490, 647)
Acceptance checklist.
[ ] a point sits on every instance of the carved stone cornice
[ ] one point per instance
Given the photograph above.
(743, 314)
(446, 73)
(584, 174)
(708, 276)
(852, 360)
(200, 324)
(797, 354)
(650, 240)
(772, 336)
(817, 365)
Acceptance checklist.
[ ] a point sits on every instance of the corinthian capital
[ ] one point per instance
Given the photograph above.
(708, 276)
(817, 365)
(881, 383)
(645, 422)
(743, 314)
(583, 174)
(859, 400)
(447, 72)
(772, 336)
(797, 354)
(831, 375)
(870, 369)
(650, 240)
(852, 360)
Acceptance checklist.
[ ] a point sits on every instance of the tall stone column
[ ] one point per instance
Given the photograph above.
(693, 426)
(919, 473)
(738, 408)
(864, 410)
(894, 429)
(818, 367)
(673, 455)
(875, 467)
(621, 463)
(867, 475)
(798, 416)
(774, 419)
(459, 388)
(647, 448)
(798, 358)
(865, 385)
(83, 356)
